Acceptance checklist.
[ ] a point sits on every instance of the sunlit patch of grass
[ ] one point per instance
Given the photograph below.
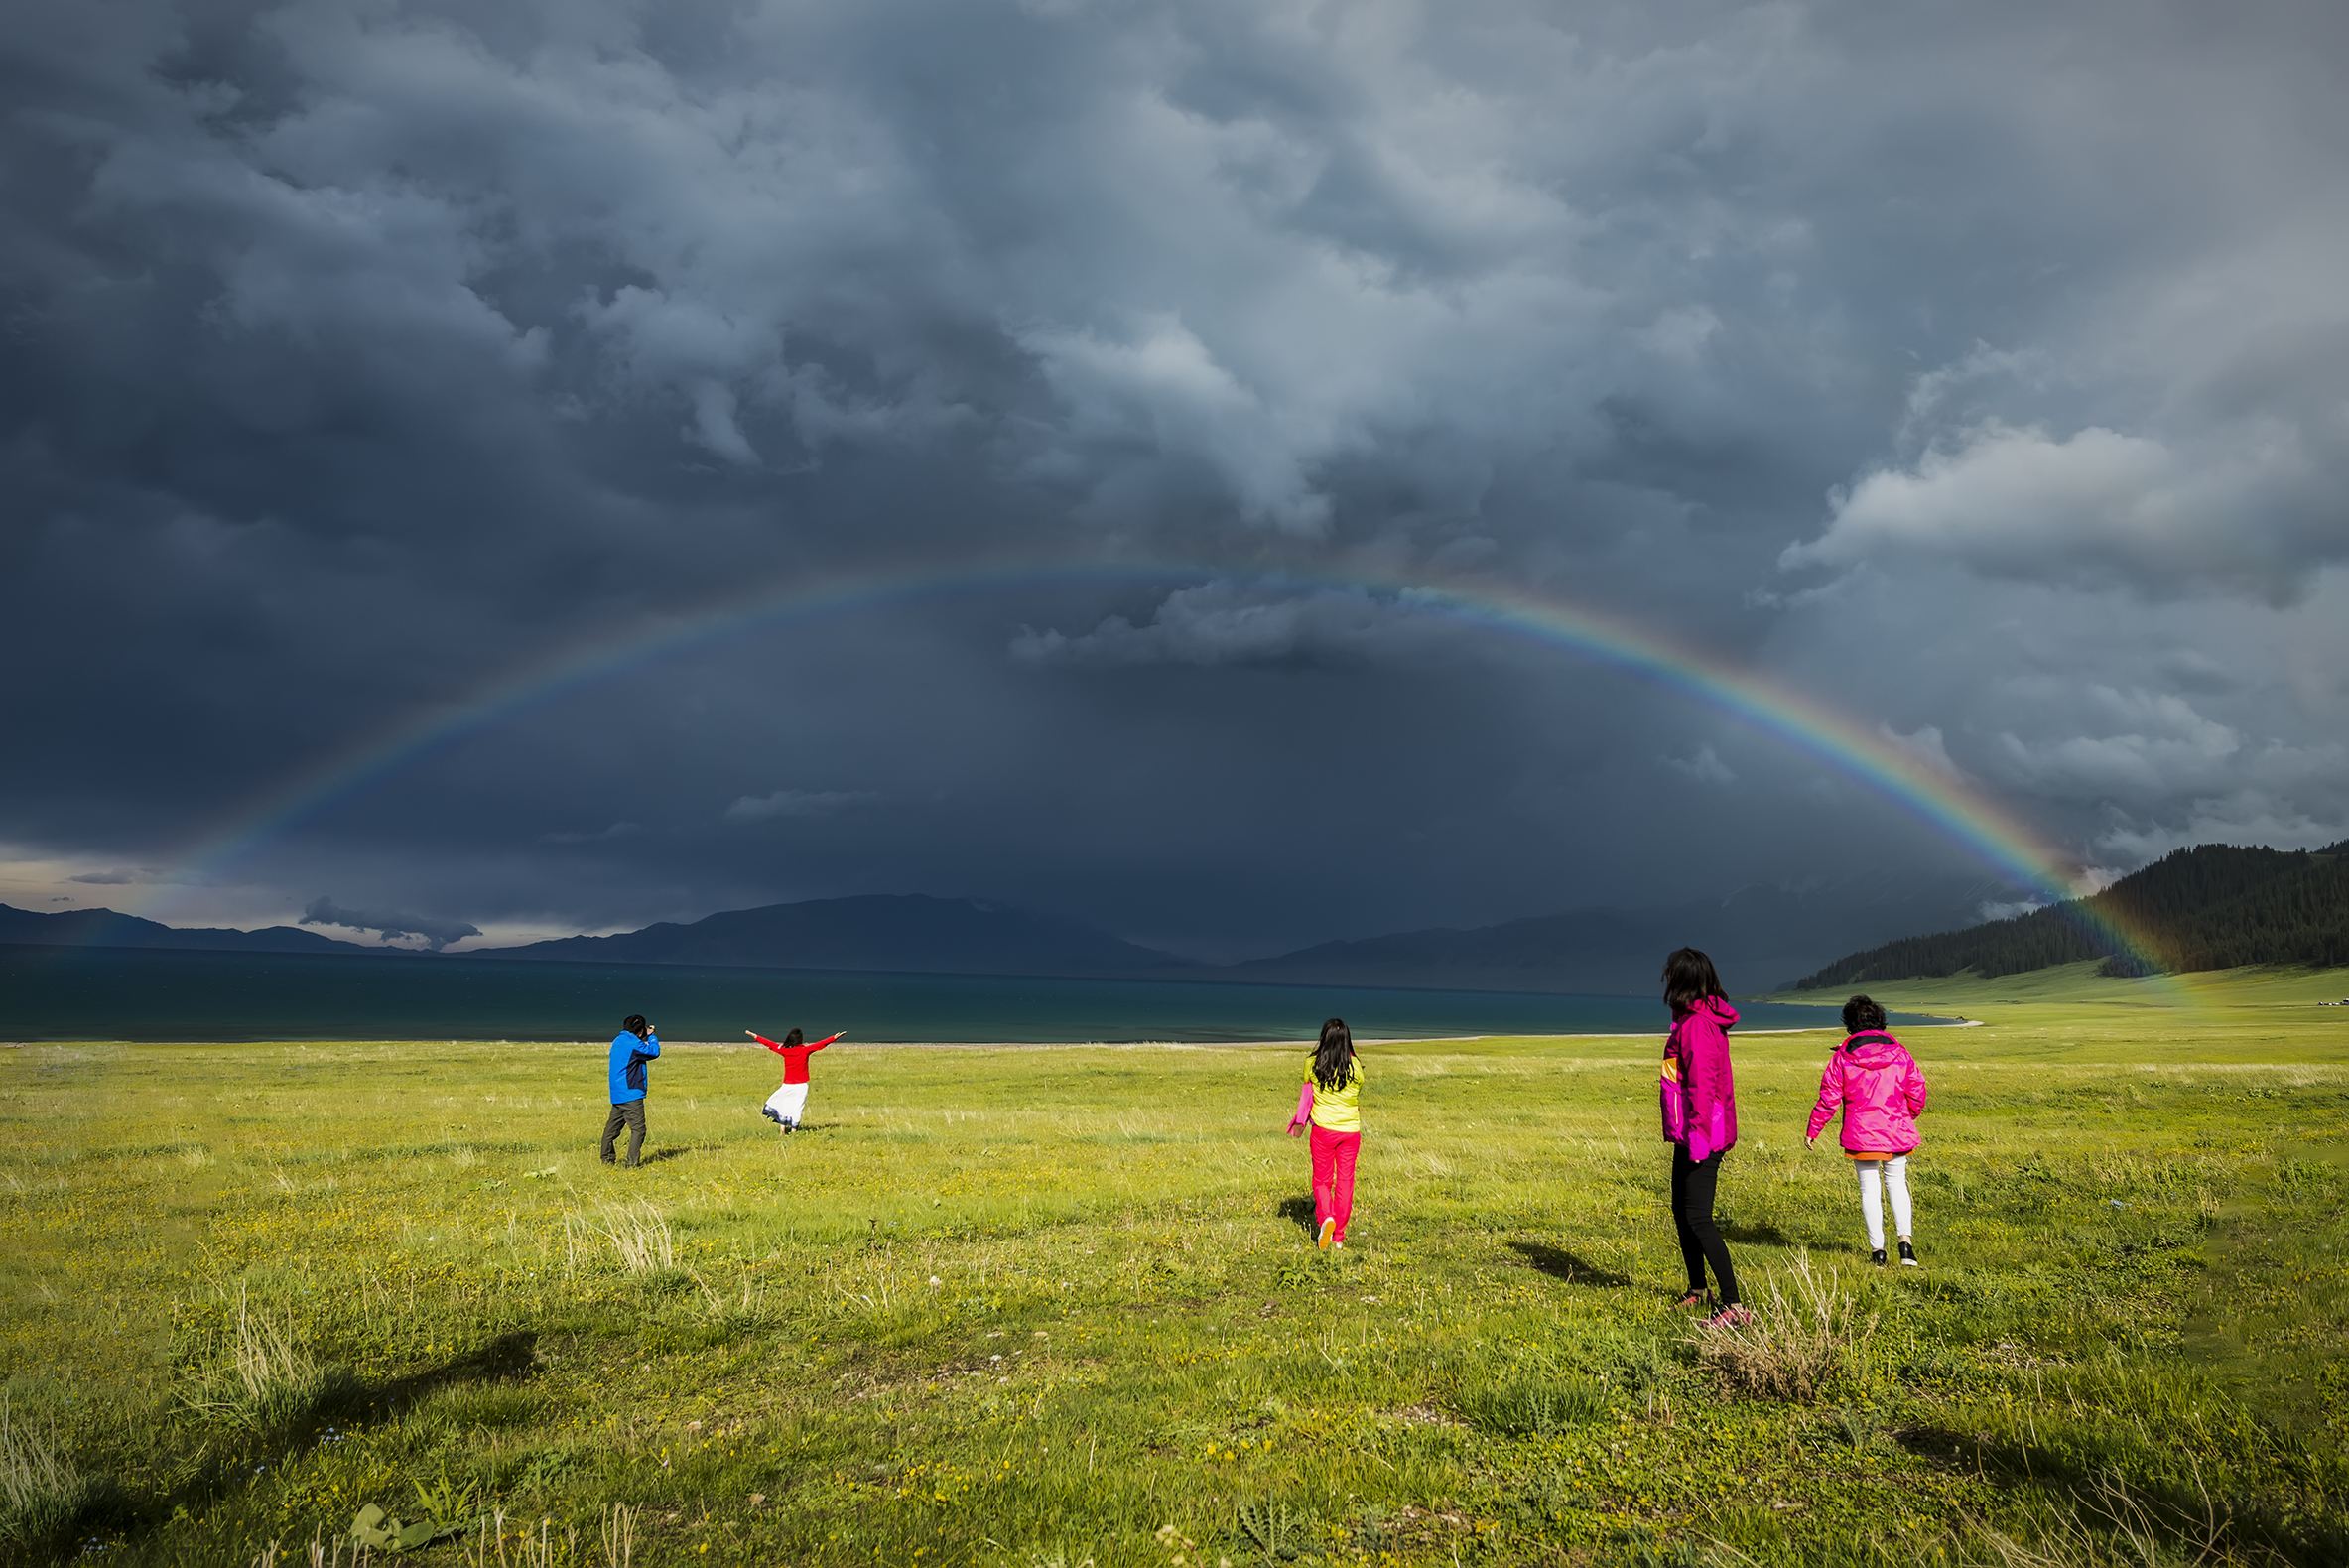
(500, 1542)
(1528, 1407)
(1010, 1306)
(638, 1234)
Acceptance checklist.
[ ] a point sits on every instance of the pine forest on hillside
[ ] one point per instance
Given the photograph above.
(2213, 906)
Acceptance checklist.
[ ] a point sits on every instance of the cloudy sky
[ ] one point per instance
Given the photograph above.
(1981, 373)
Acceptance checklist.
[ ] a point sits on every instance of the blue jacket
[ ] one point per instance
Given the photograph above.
(629, 1056)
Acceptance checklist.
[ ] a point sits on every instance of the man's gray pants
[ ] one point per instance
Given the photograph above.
(631, 1116)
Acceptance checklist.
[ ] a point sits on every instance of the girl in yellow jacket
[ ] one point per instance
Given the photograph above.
(1329, 1104)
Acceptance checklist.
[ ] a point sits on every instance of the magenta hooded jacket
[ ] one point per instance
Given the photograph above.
(1882, 1092)
(1700, 1097)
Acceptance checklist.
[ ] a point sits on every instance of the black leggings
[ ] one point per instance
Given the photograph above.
(1693, 1182)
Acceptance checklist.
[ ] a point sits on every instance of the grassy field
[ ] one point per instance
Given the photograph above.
(1056, 1306)
(2238, 998)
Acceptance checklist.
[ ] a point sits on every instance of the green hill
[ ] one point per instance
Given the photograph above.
(2214, 906)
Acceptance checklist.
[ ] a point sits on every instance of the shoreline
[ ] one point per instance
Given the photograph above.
(963, 1045)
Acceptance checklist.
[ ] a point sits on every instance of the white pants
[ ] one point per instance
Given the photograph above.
(787, 1103)
(1872, 1202)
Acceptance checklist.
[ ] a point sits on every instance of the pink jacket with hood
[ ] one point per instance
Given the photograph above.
(1882, 1092)
(1700, 1097)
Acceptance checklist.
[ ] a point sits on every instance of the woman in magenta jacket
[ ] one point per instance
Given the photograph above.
(1700, 1110)
(1882, 1092)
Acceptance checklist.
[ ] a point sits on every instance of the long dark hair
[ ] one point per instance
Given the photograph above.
(1689, 978)
(1861, 1014)
(1333, 1059)
(795, 1039)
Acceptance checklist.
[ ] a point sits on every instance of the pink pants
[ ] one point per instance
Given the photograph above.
(1333, 1176)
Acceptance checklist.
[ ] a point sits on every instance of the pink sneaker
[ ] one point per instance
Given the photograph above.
(1732, 1316)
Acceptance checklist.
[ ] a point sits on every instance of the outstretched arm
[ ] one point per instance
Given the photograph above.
(827, 1040)
(775, 1046)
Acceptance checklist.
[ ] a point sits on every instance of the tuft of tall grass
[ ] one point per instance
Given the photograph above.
(268, 1382)
(1806, 1332)
(637, 1232)
(41, 1490)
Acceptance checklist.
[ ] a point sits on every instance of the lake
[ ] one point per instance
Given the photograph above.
(113, 994)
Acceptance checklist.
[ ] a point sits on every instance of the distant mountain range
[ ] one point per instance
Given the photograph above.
(908, 932)
(104, 928)
(1758, 935)
(2209, 907)
(2213, 906)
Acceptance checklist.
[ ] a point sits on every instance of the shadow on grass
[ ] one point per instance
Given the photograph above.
(226, 1462)
(1567, 1266)
(509, 1358)
(2199, 1523)
(1299, 1212)
(1763, 1235)
(676, 1151)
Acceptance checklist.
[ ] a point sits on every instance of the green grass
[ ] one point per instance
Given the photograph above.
(2224, 992)
(1056, 1306)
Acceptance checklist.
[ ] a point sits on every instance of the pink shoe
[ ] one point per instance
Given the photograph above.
(1732, 1316)
(1695, 1298)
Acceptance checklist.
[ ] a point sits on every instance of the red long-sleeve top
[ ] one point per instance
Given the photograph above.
(795, 1057)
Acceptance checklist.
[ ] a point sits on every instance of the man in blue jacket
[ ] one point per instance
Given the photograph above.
(631, 1049)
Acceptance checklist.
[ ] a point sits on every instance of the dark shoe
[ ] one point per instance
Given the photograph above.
(1877, 1258)
(1908, 1257)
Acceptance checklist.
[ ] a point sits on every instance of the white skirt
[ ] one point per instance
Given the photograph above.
(786, 1104)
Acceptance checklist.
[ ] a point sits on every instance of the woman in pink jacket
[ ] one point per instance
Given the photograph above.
(1700, 1108)
(1882, 1092)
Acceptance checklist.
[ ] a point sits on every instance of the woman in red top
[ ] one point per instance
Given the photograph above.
(786, 1105)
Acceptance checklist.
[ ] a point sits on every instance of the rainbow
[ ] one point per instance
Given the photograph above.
(1951, 806)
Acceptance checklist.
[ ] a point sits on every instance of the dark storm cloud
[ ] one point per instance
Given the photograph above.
(604, 834)
(1225, 622)
(1959, 370)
